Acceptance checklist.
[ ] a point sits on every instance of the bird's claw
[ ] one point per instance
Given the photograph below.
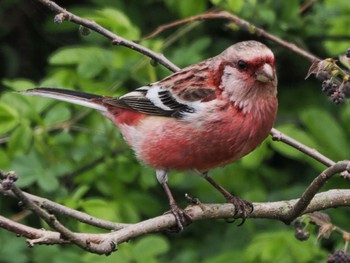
(242, 207)
(181, 217)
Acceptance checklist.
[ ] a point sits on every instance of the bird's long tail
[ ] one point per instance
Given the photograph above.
(75, 97)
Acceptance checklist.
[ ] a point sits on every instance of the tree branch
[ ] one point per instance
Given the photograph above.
(116, 40)
(269, 210)
(58, 209)
(243, 25)
(105, 247)
(313, 188)
(281, 137)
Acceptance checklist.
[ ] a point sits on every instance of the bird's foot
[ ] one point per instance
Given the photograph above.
(243, 208)
(182, 218)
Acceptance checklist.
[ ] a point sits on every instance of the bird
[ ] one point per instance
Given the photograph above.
(206, 115)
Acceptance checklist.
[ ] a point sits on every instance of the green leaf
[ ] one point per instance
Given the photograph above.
(66, 78)
(327, 132)
(20, 140)
(9, 118)
(27, 168)
(90, 60)
(296, 133)
(235, 5)
(187, 8)
(12, 249)
(289, 9)
(30, 169)
(91, 66)
(4, 159)
(275, 246)
(47, 180)
(101, 208)
(255, 158)
(268, 15)
(191, 54)
(76, 196)
(67, 56)
(58, 113)
(149, 247)
(116, 21)
(224, 257)
(19, 84)
(62, 254)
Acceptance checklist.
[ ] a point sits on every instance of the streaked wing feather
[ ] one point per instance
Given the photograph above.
(139, 104)
(171, 97)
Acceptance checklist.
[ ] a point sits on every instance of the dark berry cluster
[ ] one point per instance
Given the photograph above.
(339, 256)
(329, 87)
(335, 90)
(335, 80)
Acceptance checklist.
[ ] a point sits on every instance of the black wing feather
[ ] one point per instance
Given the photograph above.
(144, 105)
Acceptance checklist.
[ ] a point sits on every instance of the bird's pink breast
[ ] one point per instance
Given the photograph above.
(168, 143)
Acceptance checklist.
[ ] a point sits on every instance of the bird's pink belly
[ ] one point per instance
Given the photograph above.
(185, 146)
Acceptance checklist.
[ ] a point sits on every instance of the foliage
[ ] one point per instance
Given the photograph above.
(48, 143)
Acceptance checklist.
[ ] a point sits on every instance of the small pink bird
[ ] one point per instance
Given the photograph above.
(204, 116)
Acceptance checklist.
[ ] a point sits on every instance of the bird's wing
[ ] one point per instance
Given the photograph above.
(173, 96)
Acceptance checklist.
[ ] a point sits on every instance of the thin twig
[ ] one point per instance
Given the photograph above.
(105, 247)
(313, 188)
(306, 6)
(48, 218)
(242, 24)
(30, 232)
(59, 209)
(281, 137)
(116, 40)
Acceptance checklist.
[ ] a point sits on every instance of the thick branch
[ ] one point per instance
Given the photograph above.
(313, 188)
(269, 210)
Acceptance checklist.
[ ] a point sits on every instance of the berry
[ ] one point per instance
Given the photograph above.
(339, 256)
(338, 97)
(329, 87)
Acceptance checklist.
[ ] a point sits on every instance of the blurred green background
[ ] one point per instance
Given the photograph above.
(76, 157)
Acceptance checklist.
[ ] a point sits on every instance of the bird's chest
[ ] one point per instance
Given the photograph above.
(207, 142)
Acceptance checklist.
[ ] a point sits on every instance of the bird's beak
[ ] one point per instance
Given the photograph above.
(265, 73)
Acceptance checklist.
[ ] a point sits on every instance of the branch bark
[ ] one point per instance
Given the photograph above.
(106, 243)
(116, 40)
(243, 25)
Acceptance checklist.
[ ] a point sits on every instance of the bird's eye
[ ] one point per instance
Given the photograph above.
(242, 65)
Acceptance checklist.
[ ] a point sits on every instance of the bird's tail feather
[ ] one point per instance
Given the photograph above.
(75, 97)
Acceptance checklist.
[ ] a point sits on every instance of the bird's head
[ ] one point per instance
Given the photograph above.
(247, 72)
